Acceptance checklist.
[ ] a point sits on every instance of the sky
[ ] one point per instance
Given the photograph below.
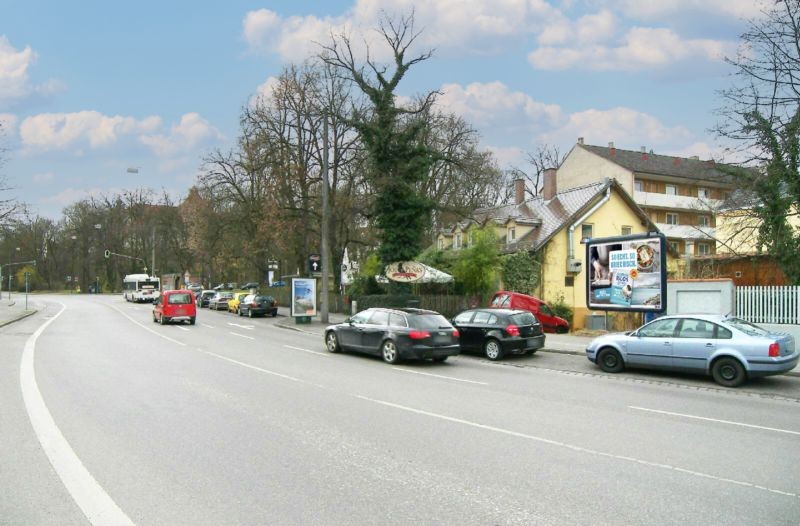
(93, 92)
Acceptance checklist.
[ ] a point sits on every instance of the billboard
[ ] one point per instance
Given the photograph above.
(304, 297)
(627, 273)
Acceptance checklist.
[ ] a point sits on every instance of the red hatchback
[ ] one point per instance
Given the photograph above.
(175, 305)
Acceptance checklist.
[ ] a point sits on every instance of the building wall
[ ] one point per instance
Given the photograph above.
(607, 221)
(582, 167)
(684, 189)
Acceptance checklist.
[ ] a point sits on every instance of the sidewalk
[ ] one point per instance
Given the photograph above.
(555, 343)
(14, 309)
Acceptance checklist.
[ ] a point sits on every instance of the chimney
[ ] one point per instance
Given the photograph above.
(644, 149)
(695, 157)
(676, 161)
(549, 187)
(519, 191)
(644, 153)
(580, 140)
(611, 149)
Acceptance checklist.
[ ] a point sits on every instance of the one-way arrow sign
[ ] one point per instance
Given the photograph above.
(314, 262)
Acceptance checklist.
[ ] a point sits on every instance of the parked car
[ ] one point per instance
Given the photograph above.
(516, 300)
(204, 297)
(497, 332)
(250, 285)
(731, 350)
(233, 304)
(196, 288)
(220, 300)
(395, 335)
(175, 305)
(278, 284)
(258, 305)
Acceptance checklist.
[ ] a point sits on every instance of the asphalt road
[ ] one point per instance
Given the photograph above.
(108, 418)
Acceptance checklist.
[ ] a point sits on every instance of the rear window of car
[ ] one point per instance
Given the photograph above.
(179, 299)
(523, 318)
(747, 327)
(268, 299)
(428, 321)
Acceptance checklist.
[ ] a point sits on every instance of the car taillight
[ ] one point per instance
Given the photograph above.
(774, 349)
(512, 330)
(254, 304)
(455, 333)
(419, 335)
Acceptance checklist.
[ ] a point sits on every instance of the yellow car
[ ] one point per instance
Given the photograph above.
(233, 304)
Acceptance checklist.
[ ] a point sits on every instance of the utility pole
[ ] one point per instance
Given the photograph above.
(325, 213)
(154, 252)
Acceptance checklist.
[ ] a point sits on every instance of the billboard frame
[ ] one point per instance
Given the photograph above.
(619, 290)
(304, 292)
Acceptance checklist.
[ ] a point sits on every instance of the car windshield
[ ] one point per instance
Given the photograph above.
(501, 300)
(747, 327)
(429, 321)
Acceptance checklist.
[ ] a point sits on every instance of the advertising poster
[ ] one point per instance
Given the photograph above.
(627, 273)
(304, 297)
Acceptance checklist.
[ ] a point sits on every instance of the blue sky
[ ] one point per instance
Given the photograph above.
(90, 88)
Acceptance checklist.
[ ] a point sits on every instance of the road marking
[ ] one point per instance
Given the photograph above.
(182, 328)
(579, 449)
(90, 497)
(241, 335)
(248, 327)
(440, 376)
(145, 327)
(307, 350)
(206, 325)
(714, 420)
(273, 373)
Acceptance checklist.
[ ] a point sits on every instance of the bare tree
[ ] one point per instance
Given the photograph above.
(544, 156)
(9, 207)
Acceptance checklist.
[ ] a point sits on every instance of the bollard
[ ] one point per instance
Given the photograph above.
(354, 303)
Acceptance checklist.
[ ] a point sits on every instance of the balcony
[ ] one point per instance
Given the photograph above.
(677, 202)
(701, 233)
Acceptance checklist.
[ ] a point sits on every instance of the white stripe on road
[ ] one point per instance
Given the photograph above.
(714, 420)
(241, 335)
(145, 327)
(306, 350)
(206, 325)
(580, 449)
(440, 376)
(273, 373)
(90, 497)
(182, 328)
(248, 327)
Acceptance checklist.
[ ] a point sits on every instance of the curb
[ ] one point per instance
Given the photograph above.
(20, 317)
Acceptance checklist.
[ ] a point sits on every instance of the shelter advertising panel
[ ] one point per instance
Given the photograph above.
(627, 273)
(304, 297)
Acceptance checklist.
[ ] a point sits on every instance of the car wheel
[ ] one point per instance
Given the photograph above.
(389, 352)
(610, 360)
(493, 350)
(162, 320)
(250, 313)
(275, 314)
(154, 318)
(191, 321)
(728, 372)
(332, 342)
(561, 329)
(440, 359)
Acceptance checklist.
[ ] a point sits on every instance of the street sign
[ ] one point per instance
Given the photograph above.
(315, 263)
(107, 253)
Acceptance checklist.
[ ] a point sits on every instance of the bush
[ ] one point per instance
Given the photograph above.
(561, 309)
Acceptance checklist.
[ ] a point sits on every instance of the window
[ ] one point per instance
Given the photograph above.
(703, 193)
(696, 329)
(626, 230)
(485, 318)
(586, 231)
(179, 299)
(672, 219)
(703, 249)
(362, 317)
(671, 189)
(464, 317)
(512, 234)
(569, 281)
(457, 241)
(501, 300)
(440, 244)
(674, 246)
(638, 186)
(396, 320)
(379, 317)
(703, 221)
(659, 328)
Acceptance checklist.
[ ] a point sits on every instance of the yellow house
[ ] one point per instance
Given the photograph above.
(553, 225)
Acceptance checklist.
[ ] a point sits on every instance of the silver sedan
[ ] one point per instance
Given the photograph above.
(731, 350)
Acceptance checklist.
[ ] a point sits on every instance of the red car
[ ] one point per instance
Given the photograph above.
(516, 300)
(175, 305)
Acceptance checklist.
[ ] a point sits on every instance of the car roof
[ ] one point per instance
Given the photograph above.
(495, 310)
(698, 316)
(404, 310)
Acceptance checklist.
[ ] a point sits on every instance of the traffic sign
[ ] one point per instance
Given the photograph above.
(107, 254)
(315, 263)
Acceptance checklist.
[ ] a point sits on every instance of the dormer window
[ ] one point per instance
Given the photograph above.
(512, 234)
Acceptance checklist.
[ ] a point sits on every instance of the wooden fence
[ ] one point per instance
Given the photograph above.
(779, 305)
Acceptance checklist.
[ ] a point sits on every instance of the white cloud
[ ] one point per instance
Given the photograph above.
(191, 132)
(641, 48)
(493, 104)
(44, 178)
(15, 82)
(587, 29)
(62, 131)
(69, 196)
(264, 90)
(479, 26)
(656, 10)
(623, 126)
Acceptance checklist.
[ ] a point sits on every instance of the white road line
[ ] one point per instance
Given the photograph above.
(145, 327)
(714, 420)
(273, 373)
(206, 325)
(90, 497)
(307, 350)
(241, 335)
(182, 328)
(440, 376)
(580, 449)
(248, 327)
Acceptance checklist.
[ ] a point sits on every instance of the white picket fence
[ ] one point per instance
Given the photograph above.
(779, 305)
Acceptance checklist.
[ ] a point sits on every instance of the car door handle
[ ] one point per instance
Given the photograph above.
(667, 343)
(709, 345)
